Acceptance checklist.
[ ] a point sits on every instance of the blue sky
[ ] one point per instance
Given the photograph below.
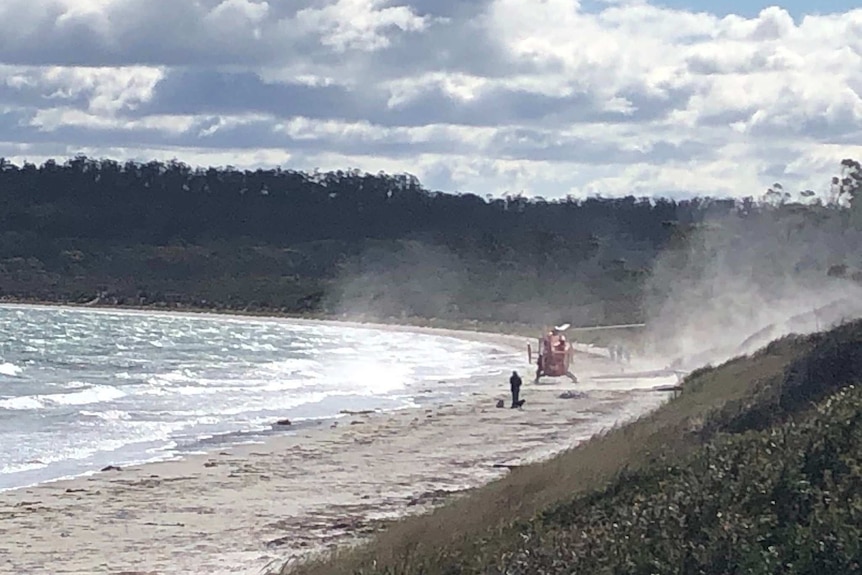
(550, 98)
(796, 8)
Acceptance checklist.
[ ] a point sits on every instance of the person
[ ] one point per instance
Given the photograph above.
(515, 384)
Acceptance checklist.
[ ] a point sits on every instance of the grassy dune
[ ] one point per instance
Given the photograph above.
(753, 468)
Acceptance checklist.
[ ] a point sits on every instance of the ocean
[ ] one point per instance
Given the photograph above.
(81, 389)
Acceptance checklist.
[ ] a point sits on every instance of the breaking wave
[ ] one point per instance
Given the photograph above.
(103, 387)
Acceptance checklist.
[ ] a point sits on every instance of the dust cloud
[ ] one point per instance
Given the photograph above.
(728, 289)
(398, 280)
(424, 279)
(739, 283)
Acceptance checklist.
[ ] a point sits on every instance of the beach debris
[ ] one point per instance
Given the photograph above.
(279, 565)
(279, 541)
(321, 532)
(210, 463)
(434, 497)
(572, 395)
(361, 412)
(154, 524)
(506, 465)
(71, 490)
(674, 388)
(112, 468)
(349, 524)
(283, 422)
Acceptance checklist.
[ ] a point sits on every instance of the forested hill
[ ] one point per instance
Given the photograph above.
(380, 244)
(157, 203)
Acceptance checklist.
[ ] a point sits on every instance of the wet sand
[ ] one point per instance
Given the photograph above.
(246, 509)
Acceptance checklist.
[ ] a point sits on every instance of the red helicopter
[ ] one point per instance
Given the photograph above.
(554, 354)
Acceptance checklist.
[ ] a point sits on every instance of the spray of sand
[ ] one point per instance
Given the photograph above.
(734, 284)
(738, 283)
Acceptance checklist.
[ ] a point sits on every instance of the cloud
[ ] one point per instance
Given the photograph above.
(490, 96)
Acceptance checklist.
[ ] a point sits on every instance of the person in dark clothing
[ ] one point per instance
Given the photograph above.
(515, 384)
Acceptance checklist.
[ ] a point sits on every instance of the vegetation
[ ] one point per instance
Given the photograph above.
(348, 242)
(706, 484)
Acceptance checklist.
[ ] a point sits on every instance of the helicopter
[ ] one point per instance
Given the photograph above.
(554, 354)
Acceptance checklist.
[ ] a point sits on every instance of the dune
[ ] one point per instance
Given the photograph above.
(250, 508)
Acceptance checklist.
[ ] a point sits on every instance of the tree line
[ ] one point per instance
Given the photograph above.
(297, 241)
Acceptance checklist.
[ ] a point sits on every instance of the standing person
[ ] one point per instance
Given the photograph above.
(515, 385)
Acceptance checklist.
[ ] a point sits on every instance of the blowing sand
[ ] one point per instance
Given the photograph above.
(246, 509)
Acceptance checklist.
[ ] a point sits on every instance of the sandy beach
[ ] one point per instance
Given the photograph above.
(246, 509)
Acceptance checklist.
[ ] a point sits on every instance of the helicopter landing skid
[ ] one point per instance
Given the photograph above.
(569, 374)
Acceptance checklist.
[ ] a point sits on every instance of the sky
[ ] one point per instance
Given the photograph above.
(542, 97)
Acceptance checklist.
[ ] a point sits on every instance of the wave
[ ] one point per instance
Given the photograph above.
(253, 406)
(27, 466)
(70, 453)
(10, 369)
(84, 396)
(142, 385)
(109, 415)
(22, 403)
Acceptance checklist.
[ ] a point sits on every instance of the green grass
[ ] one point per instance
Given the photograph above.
(746, 471)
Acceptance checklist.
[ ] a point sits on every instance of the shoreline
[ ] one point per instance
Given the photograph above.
(359, 320)
(257, 435)
(239, 508)
(466, 329)
(220, 443)
(464, 326)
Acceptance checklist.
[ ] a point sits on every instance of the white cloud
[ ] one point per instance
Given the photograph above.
(458, 86)
(238, 15)
(497, 96)
(51, 119)
(359, 24)
(107, 90)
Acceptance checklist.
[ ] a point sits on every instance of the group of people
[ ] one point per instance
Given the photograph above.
(619, 353)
